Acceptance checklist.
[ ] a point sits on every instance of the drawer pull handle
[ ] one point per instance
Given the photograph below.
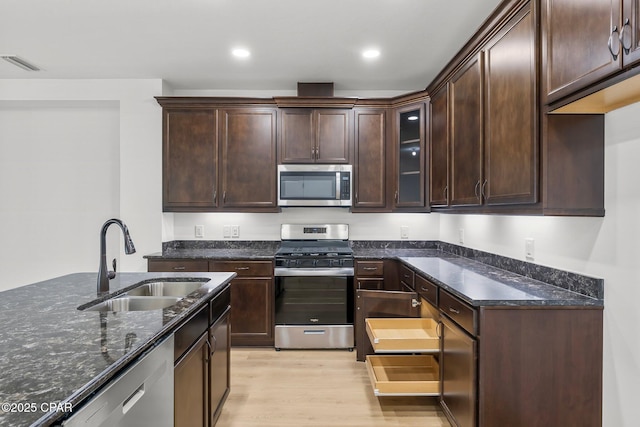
(370, 268)
(182, 267)
(242, 268)
(406, 276)
(424, 289)
(453, 310)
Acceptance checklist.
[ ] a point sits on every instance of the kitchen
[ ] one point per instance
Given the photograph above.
(123, 122)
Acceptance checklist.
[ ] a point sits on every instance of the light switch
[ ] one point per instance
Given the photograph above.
(461, 236)
(226, 231)
(529, 249)
(404, 232)
(199, 231)
(235, 231)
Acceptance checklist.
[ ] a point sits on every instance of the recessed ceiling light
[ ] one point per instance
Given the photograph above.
(412, 118)
(371, 53)
(240, 52)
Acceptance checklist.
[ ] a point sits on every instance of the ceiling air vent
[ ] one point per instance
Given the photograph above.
(19, 62)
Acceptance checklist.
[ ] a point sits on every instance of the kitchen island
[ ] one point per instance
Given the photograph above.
(55, 356)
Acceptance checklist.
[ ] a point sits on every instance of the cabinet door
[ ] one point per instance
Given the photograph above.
(379, 304)
(190, 384)
(458, 374)
(370, 159)
(439, 148)
(219, 364)
(574, 44)
(190, 159)
(248, 139)
(296, 137)
(511, 125)
(466, 134)
(252, 306)
(630, 31)
(332, 136)
(410, 154)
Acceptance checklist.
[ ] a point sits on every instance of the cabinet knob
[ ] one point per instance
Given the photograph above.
(415, 302)
(614, 43)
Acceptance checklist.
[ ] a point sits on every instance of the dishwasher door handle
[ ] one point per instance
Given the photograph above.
(131, 401)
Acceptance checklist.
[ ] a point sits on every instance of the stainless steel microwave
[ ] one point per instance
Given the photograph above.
(314, 185)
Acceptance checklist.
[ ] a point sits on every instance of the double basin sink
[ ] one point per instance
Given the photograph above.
(154, 295)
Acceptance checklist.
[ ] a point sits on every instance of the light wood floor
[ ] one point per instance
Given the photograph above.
(314, 388)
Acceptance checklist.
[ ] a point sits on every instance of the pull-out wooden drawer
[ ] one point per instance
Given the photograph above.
(408, 335)
(404, 375)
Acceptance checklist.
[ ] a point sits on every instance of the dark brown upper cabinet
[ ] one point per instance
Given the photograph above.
(466, 134)
(511, 114)
(190, 159)
(314, 135)
(248, 154)
(494, 138)
(585, 42)
(370, 152)
(439, 148)
(410, 156)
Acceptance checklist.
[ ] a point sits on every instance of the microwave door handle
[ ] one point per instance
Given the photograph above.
(338, 183)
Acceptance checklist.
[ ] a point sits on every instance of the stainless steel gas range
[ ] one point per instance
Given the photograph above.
(314, 287)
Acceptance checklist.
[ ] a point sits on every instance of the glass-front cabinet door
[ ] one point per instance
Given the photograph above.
(410, 185)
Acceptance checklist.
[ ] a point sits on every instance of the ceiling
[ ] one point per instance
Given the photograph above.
(188, 43)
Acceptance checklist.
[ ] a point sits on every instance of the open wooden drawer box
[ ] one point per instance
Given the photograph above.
(398, 335)
(404, 375)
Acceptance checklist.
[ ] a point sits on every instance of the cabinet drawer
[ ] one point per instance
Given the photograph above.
(394, 335)
(407, 276)
(427, 290)
(459, 312)
(370, 268)
(370, 284)
(188, 333)
(404, 375)
(244, 268)
(178, 265)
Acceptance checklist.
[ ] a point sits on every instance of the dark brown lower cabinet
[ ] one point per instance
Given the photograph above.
(219, 365)
(190, 378)
(252, 316)
(202, 368)
(459, 374)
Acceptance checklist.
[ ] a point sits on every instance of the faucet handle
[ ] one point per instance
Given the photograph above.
(112, 274)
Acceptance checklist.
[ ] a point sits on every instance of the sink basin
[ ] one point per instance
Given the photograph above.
(165, 289)
(132, 303)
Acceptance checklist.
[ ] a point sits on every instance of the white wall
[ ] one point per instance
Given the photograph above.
(266, 226)
(69, 131)
(603, 247)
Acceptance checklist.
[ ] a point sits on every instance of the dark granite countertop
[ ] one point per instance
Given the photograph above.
(479, 278)
(53, 352)
(483, 285)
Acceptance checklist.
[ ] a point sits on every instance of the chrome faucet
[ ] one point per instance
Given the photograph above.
(104, 275)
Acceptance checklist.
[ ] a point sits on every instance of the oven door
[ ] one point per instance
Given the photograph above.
(314, 312)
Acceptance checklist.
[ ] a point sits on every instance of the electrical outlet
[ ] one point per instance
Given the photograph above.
(529, 249)
(404, 232)
(226, 231)
(199, 231)
(235, 231)
(461, 236)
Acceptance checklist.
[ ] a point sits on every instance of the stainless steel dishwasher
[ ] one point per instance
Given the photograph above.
(141, 396)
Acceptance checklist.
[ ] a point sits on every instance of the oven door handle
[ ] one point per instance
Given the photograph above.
(313, 272)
